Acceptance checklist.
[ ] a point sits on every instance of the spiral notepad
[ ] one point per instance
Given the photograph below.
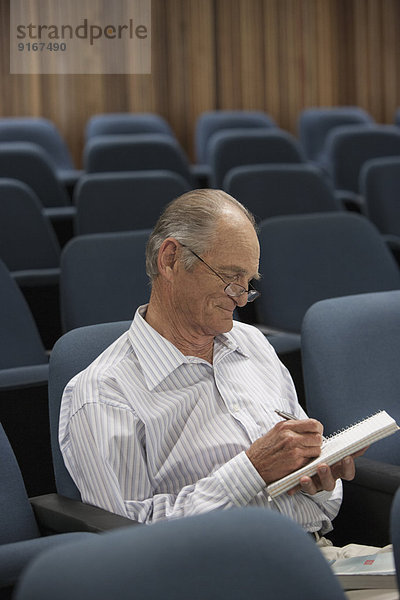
(337, 446)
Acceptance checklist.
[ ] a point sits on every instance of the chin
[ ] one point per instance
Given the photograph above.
(225, 325)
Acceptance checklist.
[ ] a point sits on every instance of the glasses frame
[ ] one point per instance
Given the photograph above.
(252, 294)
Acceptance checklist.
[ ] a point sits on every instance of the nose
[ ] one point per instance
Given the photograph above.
(242, 299)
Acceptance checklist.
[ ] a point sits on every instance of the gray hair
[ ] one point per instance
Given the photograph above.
(192, 220)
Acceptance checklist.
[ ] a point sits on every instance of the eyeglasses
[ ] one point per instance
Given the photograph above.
(233, 290)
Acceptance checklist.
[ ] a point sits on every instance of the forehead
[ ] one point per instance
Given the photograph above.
(236, 245)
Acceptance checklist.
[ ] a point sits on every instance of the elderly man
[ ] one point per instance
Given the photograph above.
(177, 417)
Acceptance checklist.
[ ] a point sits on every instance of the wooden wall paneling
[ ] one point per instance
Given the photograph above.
(326, 43)
(252, 55)
(390, 59)
(345, 80)
(199, 83)
(361, 50)
(272, 70)
(146, 93)
(189, 64)
(4, 56)
(274, 55)
(309, 67)
(375, 62)
(228, 55)
(291, 52)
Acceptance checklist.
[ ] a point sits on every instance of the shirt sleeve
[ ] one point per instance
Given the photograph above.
(104, 451)
(107, 460)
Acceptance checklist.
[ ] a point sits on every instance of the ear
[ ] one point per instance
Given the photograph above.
(167, 257)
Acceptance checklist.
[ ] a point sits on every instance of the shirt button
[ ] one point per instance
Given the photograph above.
(235, 408)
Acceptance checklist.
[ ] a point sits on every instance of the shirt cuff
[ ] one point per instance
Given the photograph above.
(322, 496)
(240, 479)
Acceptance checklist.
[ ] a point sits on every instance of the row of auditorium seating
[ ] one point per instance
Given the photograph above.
(163, 561)
(29, 154)
(130, 201)
(314, 124)
(123, 201)
(166, 547)
(101, 277)
(351, 347)
(292, 187)
(314, 127)
(33, 150)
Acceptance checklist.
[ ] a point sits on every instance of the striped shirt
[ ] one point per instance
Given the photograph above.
(150, 433)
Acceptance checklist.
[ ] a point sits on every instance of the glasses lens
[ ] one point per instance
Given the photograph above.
(234, 290)
(253, 294)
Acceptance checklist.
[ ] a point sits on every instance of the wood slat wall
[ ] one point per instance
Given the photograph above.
(275, 55)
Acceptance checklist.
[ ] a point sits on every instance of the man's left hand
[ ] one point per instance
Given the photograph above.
(325, 478)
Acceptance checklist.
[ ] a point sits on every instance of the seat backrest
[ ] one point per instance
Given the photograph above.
(236, 147)
(124, 201)
(315, 123)
(27, 239)
(349, 147)
(380, 188)
(276, 189)
(29, 163)
(306, 258)
(72, 353)
(103, 278)
(212, 121)
(350, 355)
(241, 553)
(126, 123)
(21, 344)
(136, 152)
(39, 131)
(17, 521)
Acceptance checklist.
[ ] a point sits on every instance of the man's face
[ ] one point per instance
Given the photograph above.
(202, 306)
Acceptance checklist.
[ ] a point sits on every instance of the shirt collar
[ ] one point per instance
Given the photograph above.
(158, 357)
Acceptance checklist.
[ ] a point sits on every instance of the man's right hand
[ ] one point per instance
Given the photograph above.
(288, 446)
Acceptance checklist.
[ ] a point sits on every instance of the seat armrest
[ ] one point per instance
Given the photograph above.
(282, 341)
(23, 377)
(364, 517)
(393, 243)
(59, 514)
(350, 200)
(377, 475)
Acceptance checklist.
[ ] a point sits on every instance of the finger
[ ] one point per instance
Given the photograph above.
(303, 426)
(310, 485)
(348, 469)
(360, 452)
(307, 485)
(327, 478)
(345, 469)
(301, 433)
(294, 490)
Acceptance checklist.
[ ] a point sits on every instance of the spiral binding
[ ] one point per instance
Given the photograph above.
(352, 425)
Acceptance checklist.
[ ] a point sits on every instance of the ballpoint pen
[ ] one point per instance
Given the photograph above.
(290, 417)
(285, 415)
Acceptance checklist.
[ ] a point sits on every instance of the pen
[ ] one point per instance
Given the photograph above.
(286, 415)
(290, 417)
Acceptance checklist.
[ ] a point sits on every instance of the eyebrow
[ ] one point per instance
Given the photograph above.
(237, 270)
